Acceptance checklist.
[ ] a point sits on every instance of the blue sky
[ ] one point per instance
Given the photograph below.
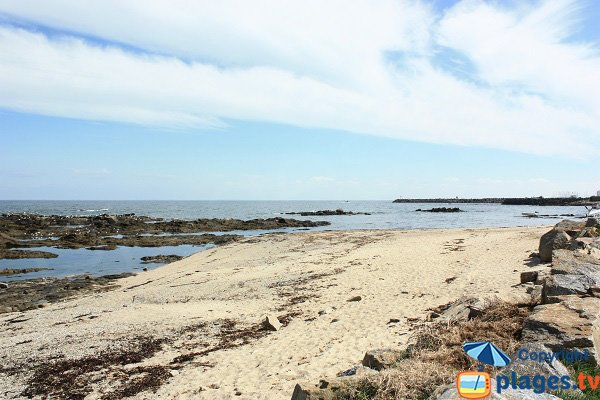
(366, 101)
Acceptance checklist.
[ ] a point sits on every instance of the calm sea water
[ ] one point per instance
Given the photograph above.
(384, 215)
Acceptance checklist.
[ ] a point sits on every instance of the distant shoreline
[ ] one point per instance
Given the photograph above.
(521, 201)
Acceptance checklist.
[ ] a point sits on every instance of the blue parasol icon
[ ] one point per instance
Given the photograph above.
(486, 353)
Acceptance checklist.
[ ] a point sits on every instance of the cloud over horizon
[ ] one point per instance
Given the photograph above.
(475, 74)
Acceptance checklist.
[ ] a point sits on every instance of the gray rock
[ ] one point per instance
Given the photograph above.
(570, 227)
(463, 309)
(552, 240)
(570, 262)
(565, 285)
(567, 325)
(271, 323)
(3, 285)
(381, 359)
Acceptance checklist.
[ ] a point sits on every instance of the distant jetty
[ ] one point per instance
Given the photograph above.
(521, 201)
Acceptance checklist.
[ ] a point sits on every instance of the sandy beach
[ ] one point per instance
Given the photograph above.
(204, 312)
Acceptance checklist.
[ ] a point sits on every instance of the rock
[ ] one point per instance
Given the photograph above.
(19, 271)
(576, 263)
(463, 309)
(552, 240)
(271, 323)
(529, 276)
(161, 259)
(7, 241)
(19, 254)
(542, 275)
(355, 298)
(593, 222)
(307, 391)
(536, 295)
(572, 273)
(381, 359)
(564, 285)
(571, 227)
(3, 285)
(563, 326)
(589, 233)
(357, 371)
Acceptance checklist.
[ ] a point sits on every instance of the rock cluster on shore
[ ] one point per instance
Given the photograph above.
(565, 310)
(37, 293)
(107, 232)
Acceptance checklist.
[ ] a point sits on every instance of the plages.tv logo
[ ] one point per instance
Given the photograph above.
(478, 384)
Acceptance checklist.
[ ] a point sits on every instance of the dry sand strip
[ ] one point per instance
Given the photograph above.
(190, 330)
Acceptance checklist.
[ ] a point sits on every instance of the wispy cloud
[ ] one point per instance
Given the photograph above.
(479, 74)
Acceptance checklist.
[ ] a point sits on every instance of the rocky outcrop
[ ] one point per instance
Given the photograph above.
(21, 254)
(17, 271)
(550, 241)
(107, 232)
(33, 293)
(567, 325)
(161, 259)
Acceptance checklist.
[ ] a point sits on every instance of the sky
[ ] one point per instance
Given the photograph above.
(172, 99)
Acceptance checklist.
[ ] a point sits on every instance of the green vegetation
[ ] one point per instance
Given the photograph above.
(587, 368)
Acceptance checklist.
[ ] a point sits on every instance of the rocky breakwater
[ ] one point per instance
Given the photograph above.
(561, 313)
(107, 232)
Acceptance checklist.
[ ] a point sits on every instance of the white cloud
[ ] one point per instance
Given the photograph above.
(364, 67)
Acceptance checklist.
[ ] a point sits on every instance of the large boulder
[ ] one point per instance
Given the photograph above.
(575, 263)
(567, 325)
(557, 286)
(571, 227)
(552, 240)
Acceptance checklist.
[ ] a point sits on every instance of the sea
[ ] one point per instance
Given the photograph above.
(383, 215)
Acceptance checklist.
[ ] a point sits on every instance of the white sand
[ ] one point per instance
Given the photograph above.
(398, 274)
